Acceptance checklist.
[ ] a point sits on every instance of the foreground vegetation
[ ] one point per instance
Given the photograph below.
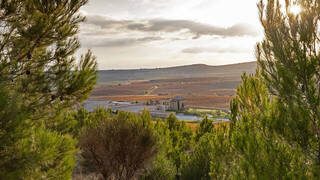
(274, 131)
(40, 81)
(127, 145)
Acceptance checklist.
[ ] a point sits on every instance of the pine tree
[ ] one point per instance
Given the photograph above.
(289, 61)
(275, 114)
(38, 40)
(39, 80)
(261, 151)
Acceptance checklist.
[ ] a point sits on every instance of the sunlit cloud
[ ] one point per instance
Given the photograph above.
(159, 33)
(109, 42)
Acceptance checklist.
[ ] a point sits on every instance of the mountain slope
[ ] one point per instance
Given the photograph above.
(189, 71)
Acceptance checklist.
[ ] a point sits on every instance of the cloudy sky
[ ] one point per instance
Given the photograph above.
(126, 34)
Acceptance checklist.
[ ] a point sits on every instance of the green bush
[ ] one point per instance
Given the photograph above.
(161, 168)
(52, 155)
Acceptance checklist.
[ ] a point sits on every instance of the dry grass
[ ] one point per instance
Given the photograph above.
(193, 126)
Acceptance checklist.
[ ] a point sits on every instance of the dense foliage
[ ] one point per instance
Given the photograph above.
(275, 115)
(289, 62)
(39, 81)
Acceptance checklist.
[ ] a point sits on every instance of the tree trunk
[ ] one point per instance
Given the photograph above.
(105, 175)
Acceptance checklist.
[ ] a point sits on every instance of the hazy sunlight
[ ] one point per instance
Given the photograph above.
(295, 9)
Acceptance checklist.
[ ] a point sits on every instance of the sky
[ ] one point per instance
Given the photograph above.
(131, 34)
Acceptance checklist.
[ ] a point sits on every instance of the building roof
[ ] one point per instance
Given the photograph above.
(178, 98)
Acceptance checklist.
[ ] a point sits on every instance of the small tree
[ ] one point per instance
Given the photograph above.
(206, 126)
(118, 147)
(181, 138)
(198, 166)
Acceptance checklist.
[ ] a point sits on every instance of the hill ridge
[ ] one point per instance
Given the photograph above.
(187, 71)
(187, 65)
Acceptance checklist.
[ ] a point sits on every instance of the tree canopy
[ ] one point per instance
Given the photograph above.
(40, 78)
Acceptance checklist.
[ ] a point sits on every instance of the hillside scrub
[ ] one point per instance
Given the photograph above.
(126, 145)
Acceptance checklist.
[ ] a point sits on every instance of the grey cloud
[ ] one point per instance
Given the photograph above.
(105, 22)
(169, 26)
(193, 27)
(193, 50)
(198, 50)
(136, 26)
(107, 42)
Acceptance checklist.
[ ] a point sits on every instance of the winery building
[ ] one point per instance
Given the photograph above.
(174, 104)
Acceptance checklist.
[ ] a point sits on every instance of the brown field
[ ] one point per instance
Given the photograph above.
(205, 93)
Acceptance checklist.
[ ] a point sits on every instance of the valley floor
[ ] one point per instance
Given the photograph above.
(203, 93)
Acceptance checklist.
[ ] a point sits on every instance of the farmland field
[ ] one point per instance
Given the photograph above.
(211, 90)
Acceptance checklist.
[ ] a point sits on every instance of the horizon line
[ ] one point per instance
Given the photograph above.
(124, 69)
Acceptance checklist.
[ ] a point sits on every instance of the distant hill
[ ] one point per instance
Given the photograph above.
(106, 77)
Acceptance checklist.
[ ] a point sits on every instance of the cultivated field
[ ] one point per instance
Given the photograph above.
(202, 86)
(207, 93)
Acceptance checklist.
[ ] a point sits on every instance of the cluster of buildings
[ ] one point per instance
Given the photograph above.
(173, 104)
